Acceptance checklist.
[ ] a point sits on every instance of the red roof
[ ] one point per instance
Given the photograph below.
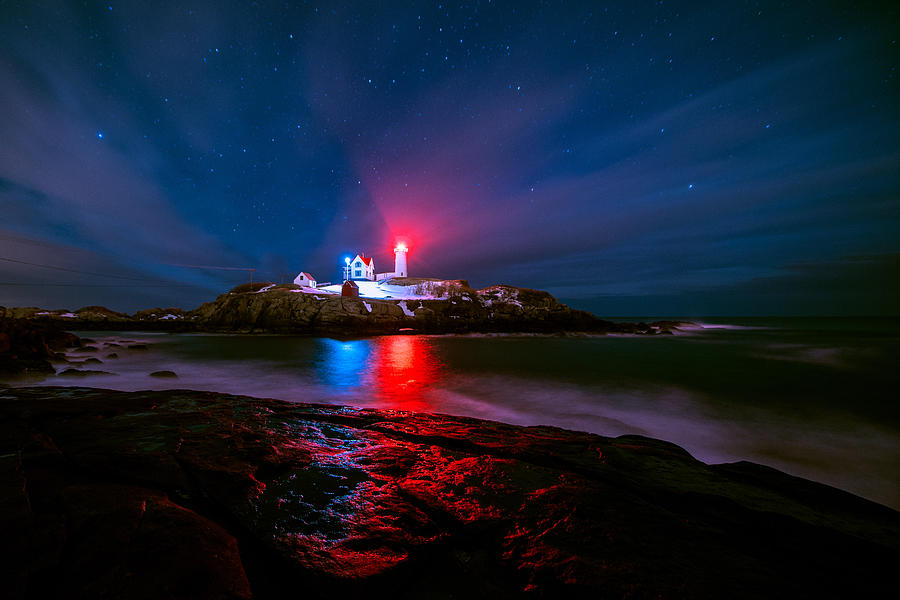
(368, 261)
(307, 275)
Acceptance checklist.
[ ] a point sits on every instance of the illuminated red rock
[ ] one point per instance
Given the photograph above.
(193, 494)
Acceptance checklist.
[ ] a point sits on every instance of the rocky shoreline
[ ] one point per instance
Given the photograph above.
(270, 308)
(27, 347)
(184, 494)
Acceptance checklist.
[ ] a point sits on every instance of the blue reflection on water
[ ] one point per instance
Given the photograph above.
(341, 364)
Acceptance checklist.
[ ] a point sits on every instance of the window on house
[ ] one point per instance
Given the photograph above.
(357, 273)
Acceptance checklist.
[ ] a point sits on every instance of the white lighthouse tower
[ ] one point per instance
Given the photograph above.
(400, 260)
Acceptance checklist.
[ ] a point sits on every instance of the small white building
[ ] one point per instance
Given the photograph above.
(362, 267)
(305, 279)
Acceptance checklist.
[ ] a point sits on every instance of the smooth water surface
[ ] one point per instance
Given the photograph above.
(814, 397)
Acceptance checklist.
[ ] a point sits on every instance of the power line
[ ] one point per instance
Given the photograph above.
(218, 268)
(113, 285)
(209, 267)
(144, 282)
(23, 262)
(19, 240)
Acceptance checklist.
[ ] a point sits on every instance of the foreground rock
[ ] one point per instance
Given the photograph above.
(197, 495)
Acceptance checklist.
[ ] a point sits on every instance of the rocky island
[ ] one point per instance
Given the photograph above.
(458, 309)
(453, 307)
(183, 494)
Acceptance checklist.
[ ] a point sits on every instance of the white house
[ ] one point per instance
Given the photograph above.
(362, 267)
(305, 279)
(399, 264)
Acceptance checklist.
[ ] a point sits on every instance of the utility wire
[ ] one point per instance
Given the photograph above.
(23, 262)
(144, 283)
(113, 285)
(209, 267)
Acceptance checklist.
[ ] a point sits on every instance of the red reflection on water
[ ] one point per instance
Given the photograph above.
(401, 371)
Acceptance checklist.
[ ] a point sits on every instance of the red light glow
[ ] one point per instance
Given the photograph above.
(403, 368)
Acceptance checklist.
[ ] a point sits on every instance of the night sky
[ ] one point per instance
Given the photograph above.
(632, 158)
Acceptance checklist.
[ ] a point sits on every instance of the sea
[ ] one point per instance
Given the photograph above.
(815, 397)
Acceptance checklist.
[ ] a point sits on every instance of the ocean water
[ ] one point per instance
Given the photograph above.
(817, 398)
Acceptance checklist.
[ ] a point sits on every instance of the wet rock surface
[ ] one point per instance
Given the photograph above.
(185, 494)
(164, 374)
(81, 373)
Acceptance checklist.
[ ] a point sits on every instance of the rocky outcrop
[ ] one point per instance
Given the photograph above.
(27, 347)
(183, 494)
(21, 312)
(451, 306)
(160, 314)
(164, 374)
(81, 373)
(99, 313)
(102, 318)
(493, 309)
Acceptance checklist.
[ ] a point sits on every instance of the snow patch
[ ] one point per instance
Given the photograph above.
(265, 289)
(383, 290)
(368, 306)
(405, 309)
(317, 291)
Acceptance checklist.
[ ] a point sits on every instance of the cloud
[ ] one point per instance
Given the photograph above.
(96, 201)
(693, 194)
(860, 285)
(579, 167)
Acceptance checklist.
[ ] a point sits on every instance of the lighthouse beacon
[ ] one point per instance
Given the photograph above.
(400, 260)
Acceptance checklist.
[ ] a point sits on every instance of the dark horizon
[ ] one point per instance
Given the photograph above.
(691, 159)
